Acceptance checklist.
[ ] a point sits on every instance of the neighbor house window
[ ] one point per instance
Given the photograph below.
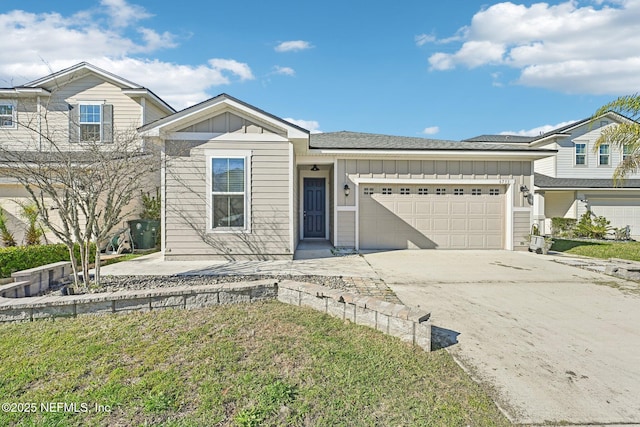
(626, 152)
(228, 193)
(7, 115)
(603, 155)
(90, 123)
(581, 154)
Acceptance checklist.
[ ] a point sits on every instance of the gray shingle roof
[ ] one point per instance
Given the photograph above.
(368, 141)
(507, 139)
(547, 182)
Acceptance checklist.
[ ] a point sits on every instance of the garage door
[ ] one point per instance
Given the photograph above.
(621, 212)
(425, 217)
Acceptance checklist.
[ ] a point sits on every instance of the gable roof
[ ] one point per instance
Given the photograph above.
(83, 68)
(566, 130)
(201, 108)
(368, 141)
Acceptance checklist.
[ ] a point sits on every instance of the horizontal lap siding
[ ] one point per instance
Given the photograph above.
(187, 197)
(126, 111)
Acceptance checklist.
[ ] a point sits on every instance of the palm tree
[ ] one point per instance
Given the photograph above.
(624, 137)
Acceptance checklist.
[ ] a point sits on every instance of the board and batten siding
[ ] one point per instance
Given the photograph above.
(188, 236)
(350, 170)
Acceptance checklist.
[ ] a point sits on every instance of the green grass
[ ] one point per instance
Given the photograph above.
(246, 365)
(604, 250)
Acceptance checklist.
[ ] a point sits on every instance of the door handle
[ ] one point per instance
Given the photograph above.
(304, 214)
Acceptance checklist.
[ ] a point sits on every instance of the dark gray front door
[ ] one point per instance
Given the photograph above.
(314, 207)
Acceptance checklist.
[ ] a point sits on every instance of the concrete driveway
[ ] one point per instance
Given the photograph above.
(553, 343)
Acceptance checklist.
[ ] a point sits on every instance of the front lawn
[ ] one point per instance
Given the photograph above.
(599, 249)
(260, 364)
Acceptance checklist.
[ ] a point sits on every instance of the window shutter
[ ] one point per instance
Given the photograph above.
(74, 123)
(107, 123)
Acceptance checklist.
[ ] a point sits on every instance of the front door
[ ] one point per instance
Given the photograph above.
(314, 207)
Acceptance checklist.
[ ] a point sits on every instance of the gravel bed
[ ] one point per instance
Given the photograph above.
(120, 283)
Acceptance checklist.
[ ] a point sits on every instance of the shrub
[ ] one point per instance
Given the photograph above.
(563, 227)
(592, 228)
(24, 257)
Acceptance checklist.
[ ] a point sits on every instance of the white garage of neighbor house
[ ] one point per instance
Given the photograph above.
(241, 183)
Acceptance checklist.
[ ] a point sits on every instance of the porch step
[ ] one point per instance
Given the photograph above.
(311, 249)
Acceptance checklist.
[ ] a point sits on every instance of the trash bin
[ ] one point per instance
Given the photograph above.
(144, 233)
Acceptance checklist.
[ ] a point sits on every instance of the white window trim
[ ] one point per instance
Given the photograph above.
(229, 154)
(14, 114)
(80, 123)
(575, 155)
(608, 155)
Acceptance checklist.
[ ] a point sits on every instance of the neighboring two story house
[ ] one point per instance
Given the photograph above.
(579, 178)
(79, 104)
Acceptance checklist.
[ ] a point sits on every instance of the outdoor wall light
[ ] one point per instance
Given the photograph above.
(315, 168)
(347, 190)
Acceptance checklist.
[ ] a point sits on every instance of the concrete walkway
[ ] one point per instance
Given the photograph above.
(153, 265)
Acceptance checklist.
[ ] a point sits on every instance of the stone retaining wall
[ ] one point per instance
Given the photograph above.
(410, 325)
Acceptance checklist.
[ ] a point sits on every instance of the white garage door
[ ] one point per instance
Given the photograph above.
(621, 212)
(431, 216)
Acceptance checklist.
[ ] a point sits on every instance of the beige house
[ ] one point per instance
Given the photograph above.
(67, 109)
(239, 182)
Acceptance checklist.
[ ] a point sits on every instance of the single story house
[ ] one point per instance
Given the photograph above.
(239, 182)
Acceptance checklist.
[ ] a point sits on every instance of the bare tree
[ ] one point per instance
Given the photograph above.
(81, 189)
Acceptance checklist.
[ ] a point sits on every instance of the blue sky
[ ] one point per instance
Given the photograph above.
(444, 70)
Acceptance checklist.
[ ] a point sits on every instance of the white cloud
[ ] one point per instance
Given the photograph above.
(569, 47)
(537, 130)
(310, 125)
(123, 14)
(285, 71)
(109, 36)
(423, 39)
(293, 46)
(432, 130)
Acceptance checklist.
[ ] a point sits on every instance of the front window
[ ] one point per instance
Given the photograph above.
(7, 115)
(228, 190)
(603, 155)
(626, 152)
(90, 120)
(581, 154)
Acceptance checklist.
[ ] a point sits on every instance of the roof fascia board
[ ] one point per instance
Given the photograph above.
(144, 92)
(444, 154)
(587, 188)
(80, 67)
(25, 91)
